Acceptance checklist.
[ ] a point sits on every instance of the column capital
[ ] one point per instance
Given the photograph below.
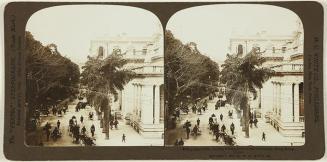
(288, 83)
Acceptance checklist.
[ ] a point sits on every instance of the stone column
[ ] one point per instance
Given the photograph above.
(147, 104)
(157, 104)
(139, 100)
(274, 97)
(286, 104)
(278, 99)
(134, 103)
(296, 102)
(135, 96)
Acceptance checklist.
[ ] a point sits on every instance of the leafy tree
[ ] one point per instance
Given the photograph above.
(103, 78)
(188, 72)
(50, 77)
(243, 76)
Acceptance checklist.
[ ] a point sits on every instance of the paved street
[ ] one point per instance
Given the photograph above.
(115, 139)
(273, 138)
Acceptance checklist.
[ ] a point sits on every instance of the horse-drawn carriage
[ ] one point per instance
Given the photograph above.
(56, 133)
(86, 140)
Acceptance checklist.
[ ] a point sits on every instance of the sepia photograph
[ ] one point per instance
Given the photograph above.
(234, 73)
(94, 77)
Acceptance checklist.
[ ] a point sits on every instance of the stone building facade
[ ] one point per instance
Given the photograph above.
(281, 100)
(141, 103)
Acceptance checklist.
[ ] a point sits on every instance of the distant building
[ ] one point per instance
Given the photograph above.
(281, 99)
(142, 100)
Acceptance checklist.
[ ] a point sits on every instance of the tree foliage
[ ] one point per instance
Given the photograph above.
(243, 76)
(188, 72)
(50, 77)
(103, 78)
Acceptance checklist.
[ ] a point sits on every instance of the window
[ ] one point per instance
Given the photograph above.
(258, 49)
(100, 51)
(273, 49)
(283, 49)
(240, 49)
(144, 51)
(116, 50)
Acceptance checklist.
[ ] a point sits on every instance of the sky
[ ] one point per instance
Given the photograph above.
(211, 27)
(72, 28)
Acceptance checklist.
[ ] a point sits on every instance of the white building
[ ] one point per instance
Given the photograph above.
(281, 98)
(142, 100)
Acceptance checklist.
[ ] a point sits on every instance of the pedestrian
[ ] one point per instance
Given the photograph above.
(263, 136)
(54, 110)
(255, 122)
(83, 130)
(47, 128)
(198, 122)
(37, 114)
(116, 123)
(77, 133)
(58, 124)
(71, 123)
(181, 142)
(91, 115)
(195, 130)
(217, 136)
(59, 112)
(188, 130)
(176, 142)
(232, 128)
(82, 118)
(221, 117)
(187, 124)
(178, 113)
(111, 123)
(216, 106)
(210, 120)
(194, 109)
(205, 104)
(55, 133)
(64, 110)
(124, 138)
(251, 123)
(223, 128)
(75, 121)
(199, 110)
(92, 130)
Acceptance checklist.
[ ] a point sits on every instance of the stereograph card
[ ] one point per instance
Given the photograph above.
(164, 80)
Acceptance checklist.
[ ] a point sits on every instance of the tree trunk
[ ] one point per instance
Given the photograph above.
(246, 119)
(101, 119)
(106, 123)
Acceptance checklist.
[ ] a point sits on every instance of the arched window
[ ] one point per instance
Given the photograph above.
(273, 49)
(116, 50)
(240, 49)
(100, 51)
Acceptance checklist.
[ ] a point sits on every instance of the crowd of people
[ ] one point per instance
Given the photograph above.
(80, 134)
(217, 125)
(220, 127)
(77, 131)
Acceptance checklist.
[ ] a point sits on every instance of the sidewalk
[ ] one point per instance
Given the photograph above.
(115, 135)
(273, 137)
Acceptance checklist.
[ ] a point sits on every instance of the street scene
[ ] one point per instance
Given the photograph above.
(92, 82)
(238, 81)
